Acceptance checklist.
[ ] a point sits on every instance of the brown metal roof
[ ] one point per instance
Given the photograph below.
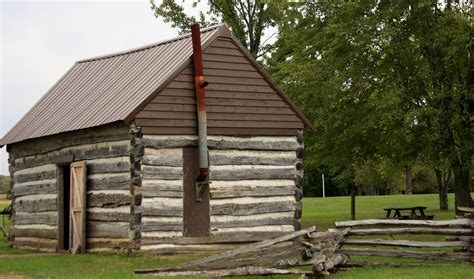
(111, 88)
(105, 89)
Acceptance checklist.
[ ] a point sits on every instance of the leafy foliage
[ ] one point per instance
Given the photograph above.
(384, 81)
(248, 20)
(4, 184)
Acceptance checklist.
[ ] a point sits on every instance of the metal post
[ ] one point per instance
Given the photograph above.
(200, 83)
(324, 190)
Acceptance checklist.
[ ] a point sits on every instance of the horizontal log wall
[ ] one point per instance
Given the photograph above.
(35, 172)
(255, 189)
(162, 194)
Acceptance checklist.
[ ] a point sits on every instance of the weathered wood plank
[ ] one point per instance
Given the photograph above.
(239, 209)
(163, 160)
(164, 185)
(224, 142)
(106, 133)
(46, 218)
(110, 150)
(81, 152)
(108, 230)
(153, 172)
(241, 172)
(43, 188)
(239, 157)
(108, 216)
(113, 243)
(109, 182)
(440, 255)
(287, 220)
(108, 200)
(251, 247)
(40, 231)
(167, 211)
(43, 175)
(420, 230)
(155, 226)
(159, 249)
(112, 167)
(161, 193)
(465, 222)
(35, 205)
(35, 242)
(404, 243)
(242, 237)
(239, 271)
(251, 191)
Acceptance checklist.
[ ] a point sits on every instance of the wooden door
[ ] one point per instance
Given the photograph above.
(77, 224)
(196, 213)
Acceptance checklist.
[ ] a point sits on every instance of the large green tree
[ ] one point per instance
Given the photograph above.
(248, 19)
(391, 79)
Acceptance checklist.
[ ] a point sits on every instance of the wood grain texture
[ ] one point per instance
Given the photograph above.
(41, 231)
(108, 229)
(119, 181)
(108, 200)
(287, 143)
(242, 209)
(35, 242)
(46, 218)
(36, 204)
(196, 216)
(236, 93)
(33, 189)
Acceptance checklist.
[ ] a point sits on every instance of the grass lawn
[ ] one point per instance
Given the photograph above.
(317, 211)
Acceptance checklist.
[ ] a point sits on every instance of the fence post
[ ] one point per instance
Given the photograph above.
(353, 201)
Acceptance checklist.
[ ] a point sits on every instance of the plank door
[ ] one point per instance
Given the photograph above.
(77, 224)
(196, 213)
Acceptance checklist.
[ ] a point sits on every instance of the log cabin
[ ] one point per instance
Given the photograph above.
(124, 153)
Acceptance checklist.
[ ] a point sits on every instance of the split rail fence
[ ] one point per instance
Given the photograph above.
(374, 234)
(328, 251)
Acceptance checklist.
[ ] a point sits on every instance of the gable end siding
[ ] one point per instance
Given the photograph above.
(239, 100)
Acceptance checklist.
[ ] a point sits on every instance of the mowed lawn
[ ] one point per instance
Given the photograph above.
(317, 211)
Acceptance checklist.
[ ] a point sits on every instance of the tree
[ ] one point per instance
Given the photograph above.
(248, 20)
(383, 79)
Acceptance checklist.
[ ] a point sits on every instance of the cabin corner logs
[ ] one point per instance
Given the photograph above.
(135, 189)
(40, 174)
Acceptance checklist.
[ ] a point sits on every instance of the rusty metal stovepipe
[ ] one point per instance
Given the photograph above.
(199, 85)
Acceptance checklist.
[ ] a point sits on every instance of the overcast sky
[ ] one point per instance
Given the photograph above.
(40, 41)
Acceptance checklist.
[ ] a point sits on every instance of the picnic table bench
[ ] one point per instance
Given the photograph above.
(413, 213)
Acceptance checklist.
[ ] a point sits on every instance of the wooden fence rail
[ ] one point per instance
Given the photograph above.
(458, 246)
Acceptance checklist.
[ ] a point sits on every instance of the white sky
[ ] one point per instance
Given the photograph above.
(40, 41)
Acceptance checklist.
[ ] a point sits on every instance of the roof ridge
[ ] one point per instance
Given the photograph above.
(124, 52)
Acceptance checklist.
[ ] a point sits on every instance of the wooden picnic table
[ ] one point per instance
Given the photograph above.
(413, 212)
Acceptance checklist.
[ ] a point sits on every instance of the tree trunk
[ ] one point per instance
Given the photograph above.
(442, 189)
(408, 181)
(462, 188)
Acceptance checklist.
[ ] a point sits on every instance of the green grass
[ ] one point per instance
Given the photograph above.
(317, 211)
